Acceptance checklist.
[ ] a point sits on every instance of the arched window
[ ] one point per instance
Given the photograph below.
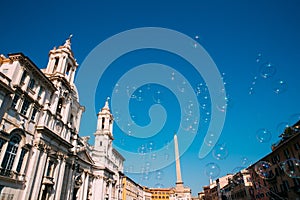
(10, 155)
(103, 122)
(59, 106)
(69, 67)
(55, 64)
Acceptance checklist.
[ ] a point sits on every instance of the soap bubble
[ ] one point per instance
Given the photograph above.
(263, 135)
(245, 161)
(212, 170)
(267, 70)
(291, 167)
(220, 152)
(264, 170)
(279, 86)
(159, 185)
(281, 127)
(159, 175)
(210, 139)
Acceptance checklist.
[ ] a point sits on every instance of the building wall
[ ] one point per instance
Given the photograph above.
(42, 155)
(281, 178)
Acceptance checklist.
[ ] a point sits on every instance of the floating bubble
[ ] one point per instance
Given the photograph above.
(189, 108)
(173, 76)
(212, 170)
(222, 108)
(210, 139)
(258, 58)
(245, 161)
(263, 135)
(153, 156)
(157, 97)
(200, 88)
(166, 156)
(130, 90)
(128, 169)
(229, 102)
(220, 152)
(253, 83)
(264, 170)
(182, 86)
(159, 185)
(267, 70)
(150, 146)
(251, 91)
(139, 95)
(279, 86)
(281, 127)
(142, 150)
(145, 176)
(291, 167)
(117, 88)
(159, 175)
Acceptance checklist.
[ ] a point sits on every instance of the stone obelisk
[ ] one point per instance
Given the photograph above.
(179, 183)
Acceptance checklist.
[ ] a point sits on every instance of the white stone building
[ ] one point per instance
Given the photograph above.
(42, 155)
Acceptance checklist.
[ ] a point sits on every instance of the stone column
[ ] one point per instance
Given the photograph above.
(70, 186)
(60, 64)
(61, 175)
(30, 174)
(39, 172)
(98, 188)
(80, 191)
(110, 189)
(86, 186)
(50, 63)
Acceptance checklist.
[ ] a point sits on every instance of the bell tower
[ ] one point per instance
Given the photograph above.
(62, 62)
(103, 134)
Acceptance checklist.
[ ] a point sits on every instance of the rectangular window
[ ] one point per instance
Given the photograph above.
(23, 152)
(33, 114)
(1, 99)
(23, 77)
(50, 164)
(31, 83)
(1, 143)
(297, 146)
(40, 91)
(296, 182)
(287, 153)
(25, 107)
(15, 101)
(286, 185)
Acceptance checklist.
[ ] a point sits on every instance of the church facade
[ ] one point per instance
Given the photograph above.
(42, 155)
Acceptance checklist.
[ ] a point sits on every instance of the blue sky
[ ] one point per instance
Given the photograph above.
(233, 33)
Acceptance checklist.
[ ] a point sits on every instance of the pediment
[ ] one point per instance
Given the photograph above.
(84, 156)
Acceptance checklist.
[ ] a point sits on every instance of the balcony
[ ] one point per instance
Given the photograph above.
(10, 175)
